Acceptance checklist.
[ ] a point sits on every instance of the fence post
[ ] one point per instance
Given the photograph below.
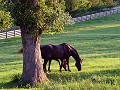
(6, 34)
(14, 33)
(85, 18)
(105, 13)
(117, 10)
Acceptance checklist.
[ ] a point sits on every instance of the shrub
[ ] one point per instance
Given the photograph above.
(5, 19)
(77, 6)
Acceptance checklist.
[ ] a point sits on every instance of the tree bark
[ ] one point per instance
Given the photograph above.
(32, 62)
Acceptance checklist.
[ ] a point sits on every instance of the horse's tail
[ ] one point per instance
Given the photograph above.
(20, 51)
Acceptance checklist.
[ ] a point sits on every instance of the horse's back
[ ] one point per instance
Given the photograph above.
(52, 51)
(57, 51)
(46, 51)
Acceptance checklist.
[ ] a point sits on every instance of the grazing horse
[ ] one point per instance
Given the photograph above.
(55, 52)
(60, 52)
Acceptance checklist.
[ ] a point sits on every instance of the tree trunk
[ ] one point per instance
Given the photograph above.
(32, 62)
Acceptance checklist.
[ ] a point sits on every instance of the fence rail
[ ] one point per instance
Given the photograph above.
(16, 31)
(9, 34)
(96, 15)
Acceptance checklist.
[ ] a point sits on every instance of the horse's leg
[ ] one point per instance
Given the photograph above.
(44, 65)
(64, 64)
(49, 65)
(59, 62)
(68, 65)
(61, 65)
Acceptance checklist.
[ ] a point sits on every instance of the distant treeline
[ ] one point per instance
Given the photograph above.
(82, 7)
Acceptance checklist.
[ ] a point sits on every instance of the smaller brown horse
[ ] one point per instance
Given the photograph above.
(55, 52)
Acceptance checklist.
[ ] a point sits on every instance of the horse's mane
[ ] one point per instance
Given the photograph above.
(74, 52)
(72, 49)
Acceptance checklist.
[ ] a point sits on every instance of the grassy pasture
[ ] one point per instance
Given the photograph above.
(98, 43)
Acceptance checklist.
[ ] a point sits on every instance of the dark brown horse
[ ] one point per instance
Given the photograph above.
(55, 52)
(60, 52)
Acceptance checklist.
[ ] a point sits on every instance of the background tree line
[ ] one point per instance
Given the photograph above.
(80, 7)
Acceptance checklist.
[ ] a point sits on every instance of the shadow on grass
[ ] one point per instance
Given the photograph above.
(6, 85)
(82, 75)
(10, 41)
(70, 77)
(9, 59)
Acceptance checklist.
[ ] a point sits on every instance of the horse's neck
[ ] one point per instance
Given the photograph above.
(75, 55)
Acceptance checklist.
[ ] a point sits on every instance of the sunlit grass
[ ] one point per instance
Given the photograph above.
(97, 42)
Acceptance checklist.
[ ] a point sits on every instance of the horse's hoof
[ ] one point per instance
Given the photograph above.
(60, 71)
(49, 70)
(45, 71)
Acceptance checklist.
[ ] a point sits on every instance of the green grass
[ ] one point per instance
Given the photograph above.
(98, 43)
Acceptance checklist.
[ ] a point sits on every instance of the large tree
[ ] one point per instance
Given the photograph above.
(33, 17)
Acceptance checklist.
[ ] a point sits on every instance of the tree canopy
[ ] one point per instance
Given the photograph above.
(33, 17)
(41, 15)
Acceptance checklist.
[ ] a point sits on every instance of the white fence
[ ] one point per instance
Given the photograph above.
(96, 15)
(9, 34)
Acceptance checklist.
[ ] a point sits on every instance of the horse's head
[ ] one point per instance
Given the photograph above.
(79, 65)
